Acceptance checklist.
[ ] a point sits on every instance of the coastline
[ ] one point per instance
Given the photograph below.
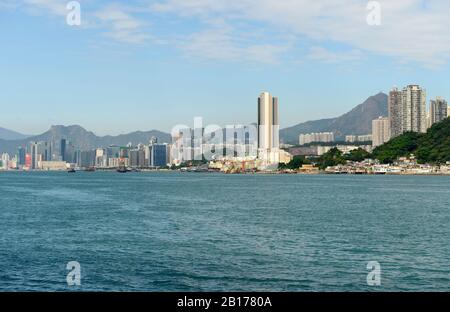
(321, 172)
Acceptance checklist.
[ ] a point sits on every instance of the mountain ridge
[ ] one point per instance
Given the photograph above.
(357, 121)
(7, 134)
(84, 139)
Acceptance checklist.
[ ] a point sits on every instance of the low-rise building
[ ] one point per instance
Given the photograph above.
(52, 165)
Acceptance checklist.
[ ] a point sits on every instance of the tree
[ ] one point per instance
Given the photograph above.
(333, 157)
(357, 155)
(295, 163)
(431, 147)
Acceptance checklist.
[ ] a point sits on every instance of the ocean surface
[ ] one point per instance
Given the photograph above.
(213, 232)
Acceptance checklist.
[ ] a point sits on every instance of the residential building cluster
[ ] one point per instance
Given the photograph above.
(258, 147)
(408, 111)
(62, 155)
(320, 137)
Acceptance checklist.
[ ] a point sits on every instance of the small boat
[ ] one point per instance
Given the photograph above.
(122, 170)
(71, 170)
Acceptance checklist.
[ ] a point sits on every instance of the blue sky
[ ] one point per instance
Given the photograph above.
(141, 65)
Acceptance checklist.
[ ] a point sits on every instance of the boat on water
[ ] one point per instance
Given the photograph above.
(71, 170)
(122, 170)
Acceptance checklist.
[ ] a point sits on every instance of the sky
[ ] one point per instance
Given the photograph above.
(142, 65)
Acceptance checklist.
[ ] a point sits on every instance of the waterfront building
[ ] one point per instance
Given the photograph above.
(35, 156)
(438, 110)
(134, 158)
(285, 157)
(159, 155)
(13, 163)
(101, 158)
(268, 129)
(28, 161)
(321, 137)
(4, 161)
(115, 162)
(62, 149)
(53, 165)
(86, 159)
(137, 158)
(380, 131)
(112, 153)
(21, 153)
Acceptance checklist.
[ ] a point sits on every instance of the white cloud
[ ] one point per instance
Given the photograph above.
(411, 30)
(221, 43)
(120, 25)
(123, 26)
(8, 4)
(321, 54)
(57, 7)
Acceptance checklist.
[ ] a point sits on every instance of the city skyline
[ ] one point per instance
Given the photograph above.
(145, 65)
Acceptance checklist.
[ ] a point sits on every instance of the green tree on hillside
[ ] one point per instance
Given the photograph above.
(295, 163)
(333, 157)
(430, 147)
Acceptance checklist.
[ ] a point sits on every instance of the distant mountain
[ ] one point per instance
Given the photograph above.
(6, 134)
(85, 140)
(357, 121)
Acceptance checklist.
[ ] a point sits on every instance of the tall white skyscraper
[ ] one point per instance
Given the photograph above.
(438, 110)
(414, 109)
(380, 131)
(34, 148)
(268, 128)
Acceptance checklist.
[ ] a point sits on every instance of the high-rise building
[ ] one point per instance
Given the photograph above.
(268, 128)
(395, 108)
(28, 161)
(4, 161)
(21, 156)
(62, 152)
(86, 159)
(407, 110)
(34, 149)
(414, 109)
(380, 131)
(438, 110)
(137, 158)
(159, 154)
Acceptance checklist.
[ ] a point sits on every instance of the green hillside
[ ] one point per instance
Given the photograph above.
(430, 147)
